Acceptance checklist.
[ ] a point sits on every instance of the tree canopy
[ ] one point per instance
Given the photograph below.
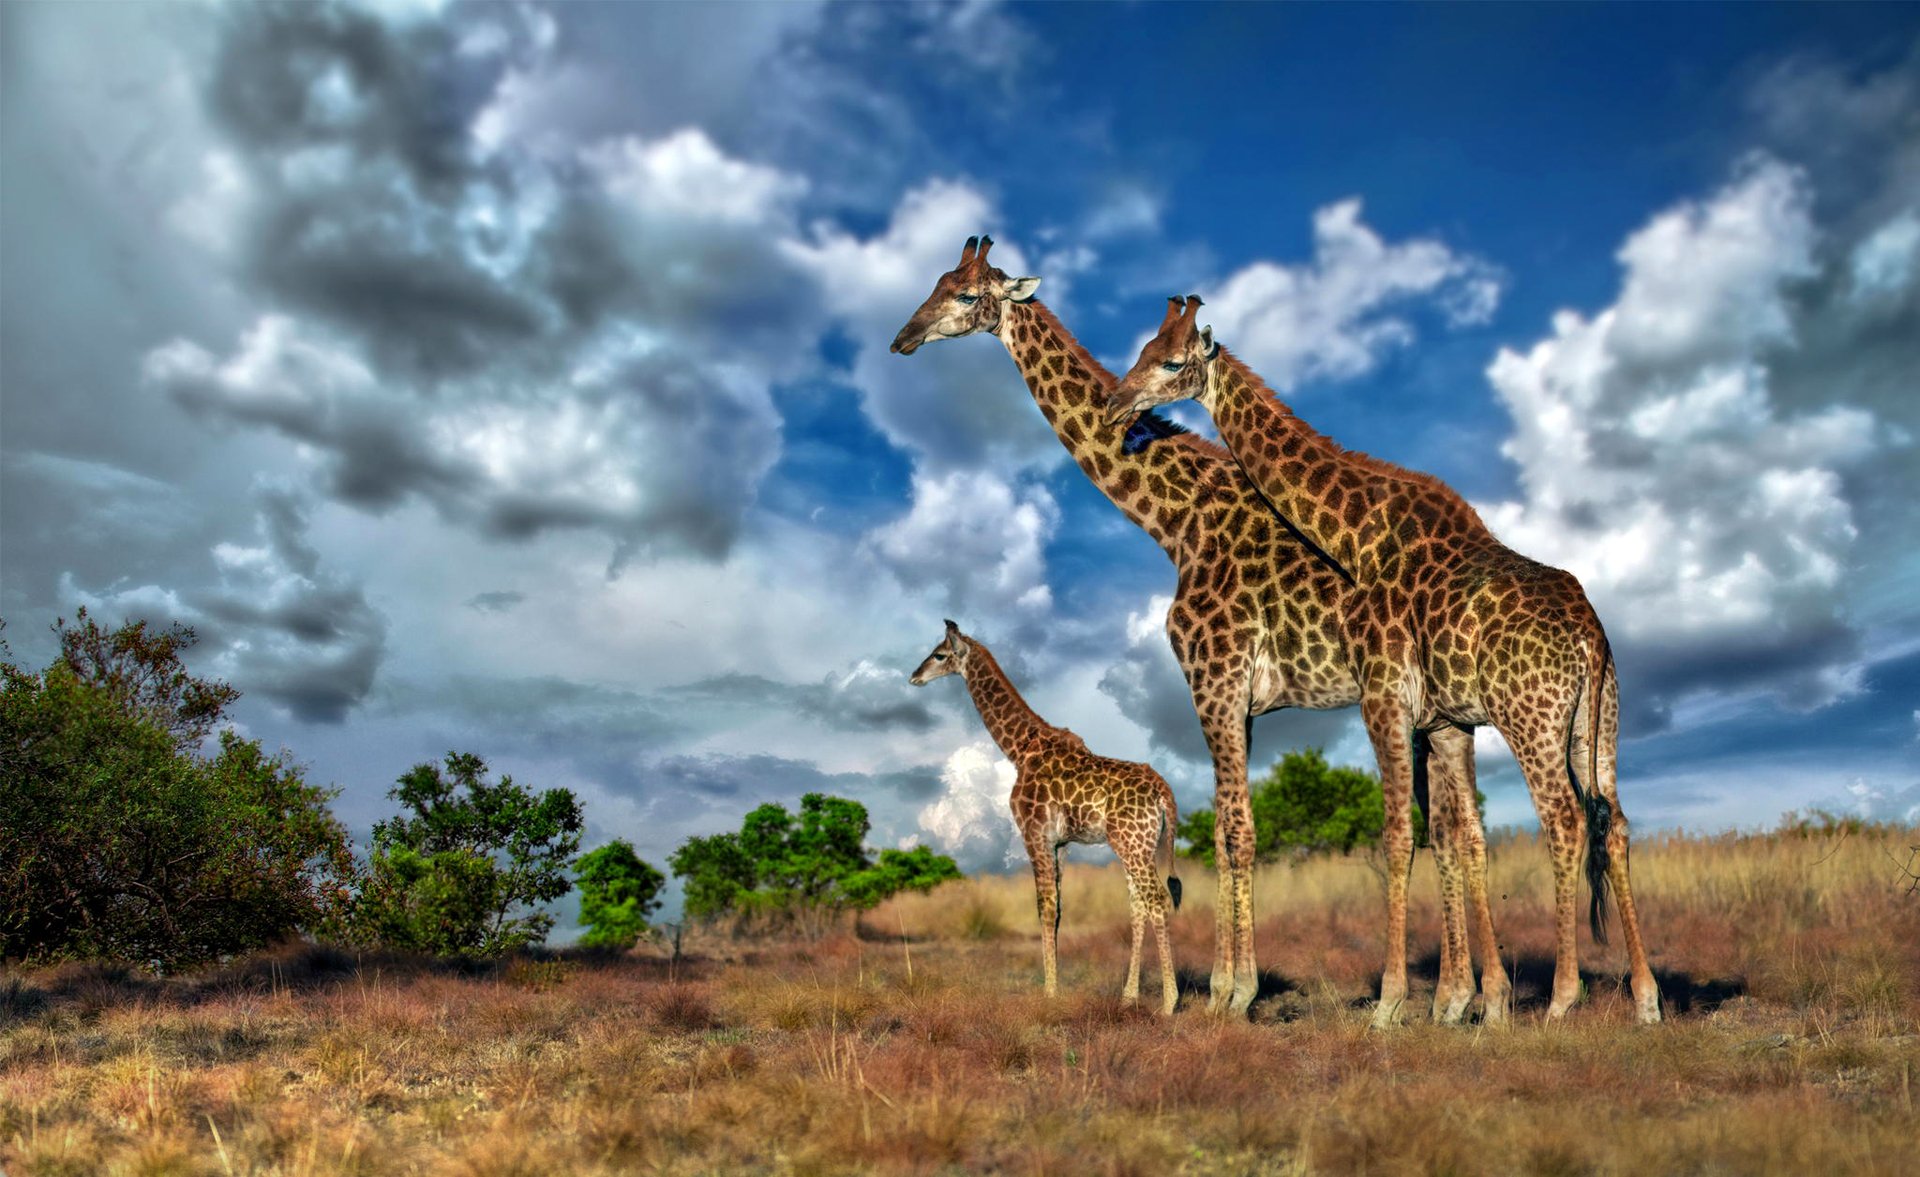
(455, 872)
(124, 838)
(785, 867)
(1305, 805)
(618, 892)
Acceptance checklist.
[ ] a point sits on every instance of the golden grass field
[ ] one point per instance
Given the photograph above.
(919, 1044)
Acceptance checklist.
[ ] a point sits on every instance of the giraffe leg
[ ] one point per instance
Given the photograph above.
(1390, 727)
(1453, 990)
(1453, 765)
(1137, 888)
(1224, 721)
(1541, 748)
(1046, 886)
(1169, 978)
(1646, 993)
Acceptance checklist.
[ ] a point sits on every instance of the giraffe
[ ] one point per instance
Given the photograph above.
(1452, 629)
(1255, 623)
(1064, 793)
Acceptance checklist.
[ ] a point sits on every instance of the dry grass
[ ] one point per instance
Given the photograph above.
(1791, 968)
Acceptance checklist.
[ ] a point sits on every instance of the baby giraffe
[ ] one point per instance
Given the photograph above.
(1064, 793)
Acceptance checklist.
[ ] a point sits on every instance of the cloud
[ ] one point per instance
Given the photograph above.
(1333, 318)
(954, 404)
(1710, 525)
(659, 454)
(977, 541)
(276, 624)
(529, 337)
(970, 820)
(495, 601)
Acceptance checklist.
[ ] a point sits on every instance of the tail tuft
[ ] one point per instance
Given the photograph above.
(1173, 889)
(1599, 824)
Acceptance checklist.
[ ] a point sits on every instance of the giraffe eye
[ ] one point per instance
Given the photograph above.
(940, 657)
(1172, 366)
(966, 300)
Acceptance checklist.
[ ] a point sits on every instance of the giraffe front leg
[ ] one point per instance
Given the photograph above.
(1390, 728)
(1046, 887)
(1234, 980)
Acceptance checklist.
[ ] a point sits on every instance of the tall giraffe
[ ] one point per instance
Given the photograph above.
(1256, 621)
(1452, 629)
(1064, 793)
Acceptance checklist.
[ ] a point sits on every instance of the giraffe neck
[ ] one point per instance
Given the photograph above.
(1012, 724)
(1315, 484)
(1153, 485)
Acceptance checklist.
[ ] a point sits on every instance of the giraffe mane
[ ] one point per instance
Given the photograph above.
(1360, 458)
(1158, 427)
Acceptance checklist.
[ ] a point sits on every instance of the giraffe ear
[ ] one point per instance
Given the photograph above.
(1207, 345)
(1021, 289)
(951, 627)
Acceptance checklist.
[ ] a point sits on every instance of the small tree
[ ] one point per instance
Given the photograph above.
(807, 868)
(450, 877)
(618, 891)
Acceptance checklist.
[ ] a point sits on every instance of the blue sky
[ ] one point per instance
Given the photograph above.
(514, 378)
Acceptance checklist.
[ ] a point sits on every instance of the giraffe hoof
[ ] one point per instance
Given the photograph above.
(1386, 1014)
(1452, 1012)
(1497, 1010)
(1650, 1011)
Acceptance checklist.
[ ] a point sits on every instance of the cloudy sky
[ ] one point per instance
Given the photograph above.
(514, 378)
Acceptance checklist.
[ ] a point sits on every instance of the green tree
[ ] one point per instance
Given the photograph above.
(809, 867)
(122, 840)
(454, 873)
(1304, 804)
(618, 891)
(716, 872)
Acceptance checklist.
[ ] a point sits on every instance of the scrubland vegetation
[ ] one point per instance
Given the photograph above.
(917, 1041)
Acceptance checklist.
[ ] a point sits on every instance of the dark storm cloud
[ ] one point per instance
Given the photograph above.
(276, 624)
(762, 778)
(858, 701)
(495, 601)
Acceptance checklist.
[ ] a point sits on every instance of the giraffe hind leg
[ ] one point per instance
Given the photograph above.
(1604, 794)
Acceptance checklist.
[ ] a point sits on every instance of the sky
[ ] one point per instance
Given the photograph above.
(514, 378)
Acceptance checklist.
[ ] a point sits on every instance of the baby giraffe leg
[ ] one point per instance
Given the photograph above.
(1136, 915)
(1046, 886)
(1169, 979)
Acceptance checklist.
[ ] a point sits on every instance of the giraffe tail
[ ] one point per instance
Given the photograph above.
(1163, 848)
(1598, 805)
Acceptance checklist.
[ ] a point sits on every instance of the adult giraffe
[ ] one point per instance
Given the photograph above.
(1450, 629)
(1257, 621)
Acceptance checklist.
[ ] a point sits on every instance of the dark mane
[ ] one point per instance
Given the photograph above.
(1148, 428)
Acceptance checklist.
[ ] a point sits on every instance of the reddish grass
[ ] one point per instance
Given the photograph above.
(1791, 969)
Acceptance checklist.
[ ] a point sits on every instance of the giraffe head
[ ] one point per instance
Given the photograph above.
(949, 657)
(1172, 366)
(969, 298)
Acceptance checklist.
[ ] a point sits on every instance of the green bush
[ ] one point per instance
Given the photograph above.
(123, 839)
